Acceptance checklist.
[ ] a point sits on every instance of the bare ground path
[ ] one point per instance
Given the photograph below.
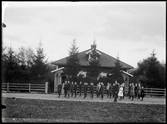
(36, 108)
(147, 100)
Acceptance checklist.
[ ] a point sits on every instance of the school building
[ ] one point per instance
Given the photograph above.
(107, 63)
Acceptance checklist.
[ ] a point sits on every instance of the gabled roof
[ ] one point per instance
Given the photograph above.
(104, 59)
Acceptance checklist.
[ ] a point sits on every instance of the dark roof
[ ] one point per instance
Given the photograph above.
(105, 60)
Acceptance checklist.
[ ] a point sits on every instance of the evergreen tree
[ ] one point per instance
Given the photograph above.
(39, 66)
(3, 63)
(30, 57)
(72, 67)
(117, 71)
(24, 71)
(21, 56)
(11, 66)
(152, 71)
(93, 69)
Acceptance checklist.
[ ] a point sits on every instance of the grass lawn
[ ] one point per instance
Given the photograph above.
(66, 111)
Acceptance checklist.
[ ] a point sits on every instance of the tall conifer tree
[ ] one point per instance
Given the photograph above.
(117, 71)
(39, 67)
(152, 71)
(72, 67)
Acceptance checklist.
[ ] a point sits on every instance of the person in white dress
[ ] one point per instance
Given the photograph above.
(120, 93)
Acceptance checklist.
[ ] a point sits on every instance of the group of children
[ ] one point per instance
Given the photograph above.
(136, 91)
(115, 90)
(71, 88)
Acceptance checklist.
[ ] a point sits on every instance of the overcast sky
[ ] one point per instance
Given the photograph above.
(132, 29)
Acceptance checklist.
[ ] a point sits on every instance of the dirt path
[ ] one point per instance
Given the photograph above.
(147, 100)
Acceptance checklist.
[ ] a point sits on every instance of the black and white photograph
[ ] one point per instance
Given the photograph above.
(83, 62)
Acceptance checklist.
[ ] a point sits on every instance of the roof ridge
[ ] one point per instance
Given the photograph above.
(98, 51)
(114, 58)
(68, 55)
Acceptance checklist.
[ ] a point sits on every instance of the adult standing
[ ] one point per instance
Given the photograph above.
(72, 88)
(129, 90)
(136, 90)
(85, 89)
(110, 90)
(115, 91)
(75, 89)
(91, 89)
(102, 90)
(142, 93)
(59, 88)
(80, 87)
(123, 85)
(68, 89)
(98, 89)
(132, 91)
(65, 89)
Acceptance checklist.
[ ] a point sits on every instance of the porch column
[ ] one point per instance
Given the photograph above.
(126, 79)
(55, 82)
(60, 80)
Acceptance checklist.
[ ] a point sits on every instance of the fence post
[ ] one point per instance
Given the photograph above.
(7, 87)
(165, 92)
(46, 87)
(29, 87)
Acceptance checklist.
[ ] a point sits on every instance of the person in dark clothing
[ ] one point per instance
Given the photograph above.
(80, 88)
(132, 91)
(110, 90)
(123, 85)
(68, 88)
(85, 89)
(59, 88)
(136, 90)
(91, 89)
(142, 93)
(98, 89)
(75, 89)
(115, 89)
(102, 90)
(72, 88)
(129, 91)
(65, 89)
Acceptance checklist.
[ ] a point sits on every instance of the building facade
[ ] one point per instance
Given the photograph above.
(107, 63)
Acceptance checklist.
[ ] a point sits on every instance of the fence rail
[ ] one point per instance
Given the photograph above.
(28, 87)
(24, 87)
(152, 91)
(148, 91)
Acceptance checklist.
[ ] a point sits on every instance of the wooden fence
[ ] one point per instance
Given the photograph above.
(155, 92)
(28, 87)
(24, 87)
(151, 91)
(148, 91)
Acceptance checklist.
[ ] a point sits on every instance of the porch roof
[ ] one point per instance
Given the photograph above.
(59, 69)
